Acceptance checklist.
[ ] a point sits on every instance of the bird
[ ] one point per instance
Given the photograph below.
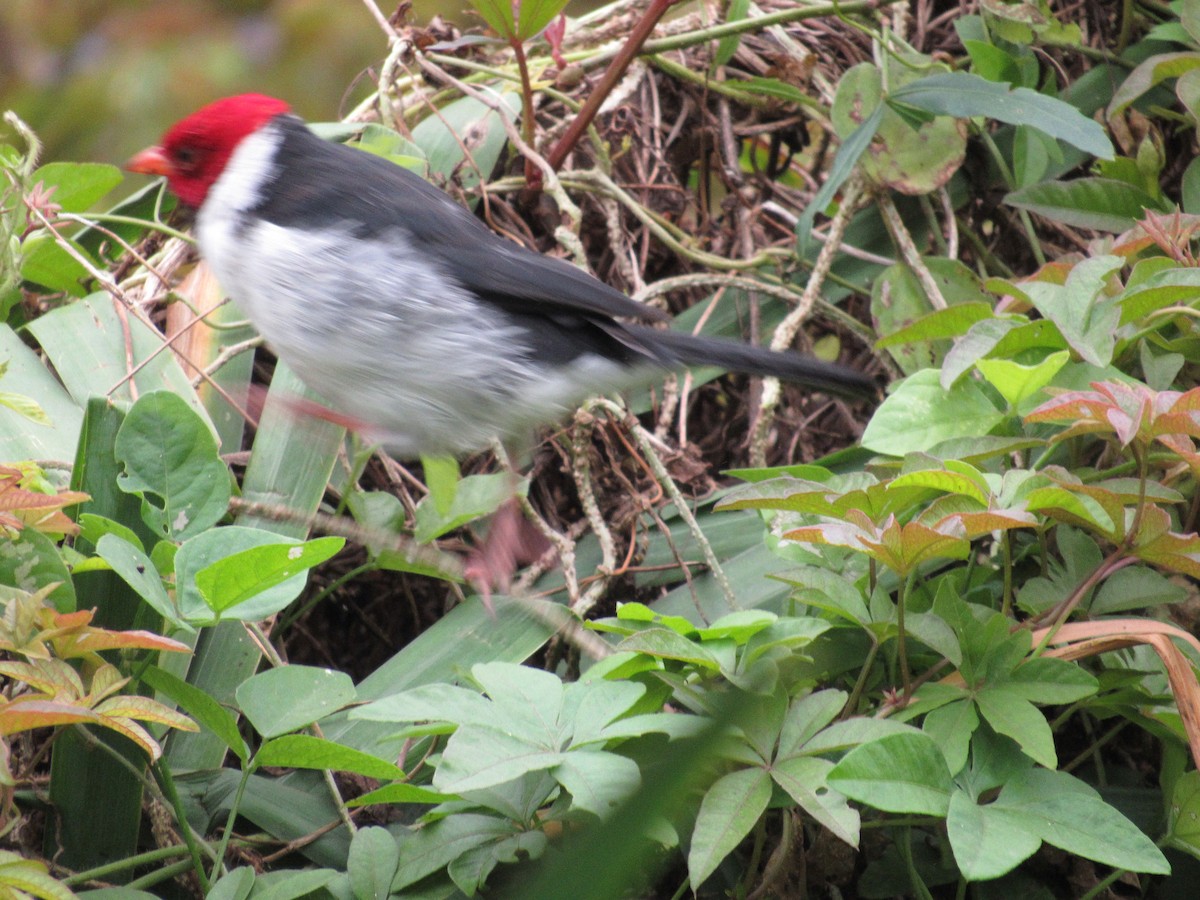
(420, 327)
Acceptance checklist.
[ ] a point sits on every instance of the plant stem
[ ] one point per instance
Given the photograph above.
(162, 773)
(527, 119)
(901, 643)
(616, 69)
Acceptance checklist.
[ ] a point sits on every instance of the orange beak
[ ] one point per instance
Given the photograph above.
(151, 161)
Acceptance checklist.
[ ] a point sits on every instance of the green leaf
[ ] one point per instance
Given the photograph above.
(728, 45)
(1136, 587)
(400, 793)
(1102, 204)
(46, 262)
(964, 95)
(391, 145)
(303, 751)
(209, 547)
(290, 884)
(844, 162)
(236, 885)
(442, 478)
(903, 773)
(77, 186)
(281, 700)
(31, 561)
(919, 413)
(988, 841)
(1010, 714)
(1149, 73)
(475, 496)
(663, 643)
(1080, 822)
(1017, 382)
(242, 576)
(730, 808)
(804, 780)
(170, 459)
(1048, 680)
(942, 323)
(1085, 315)
(201, 707)
(952, 726)
(374, 858)
(598, 782)
(25, 374)
(479, 757)
(1183, 815)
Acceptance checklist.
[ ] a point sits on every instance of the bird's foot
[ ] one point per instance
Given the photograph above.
(511, 542)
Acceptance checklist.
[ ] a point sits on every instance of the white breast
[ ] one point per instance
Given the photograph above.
(384, 336)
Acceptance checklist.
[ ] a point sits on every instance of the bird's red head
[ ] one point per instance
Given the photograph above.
(195, 150)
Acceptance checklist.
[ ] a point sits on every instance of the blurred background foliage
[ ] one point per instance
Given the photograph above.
(100, 79)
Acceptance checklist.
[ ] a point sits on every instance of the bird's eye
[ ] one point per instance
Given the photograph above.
(185, 157)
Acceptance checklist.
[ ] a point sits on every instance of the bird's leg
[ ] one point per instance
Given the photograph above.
(512, 541)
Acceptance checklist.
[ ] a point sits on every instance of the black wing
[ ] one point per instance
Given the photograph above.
(328, 184)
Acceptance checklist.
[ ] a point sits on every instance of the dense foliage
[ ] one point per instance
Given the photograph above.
(953, 658)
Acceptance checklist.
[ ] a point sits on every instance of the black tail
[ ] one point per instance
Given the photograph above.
(691, 350)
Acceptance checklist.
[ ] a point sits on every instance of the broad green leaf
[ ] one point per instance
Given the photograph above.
(903, 773)
(209, 547)
(303, 751)
(664, 643)
(292, 884)
(807, 716)
(1083, 824)
(374, 858)
(910, 154)
(31, 561)
(391, 145)
(1183, 815)
(1010, 714)
(442, 478)
(920, 413)
(529, 697)
(941, 323)
(77, 186)
(1101, 204)
(201, 707)
(730, 808)
(234, 886)
(237, 578)
(597, 781)
(1136, 587)
(1085, 315)
(400, 793)
(478, 757)
(170, 460)
(1147, 74)
(964, 95)
(46, 262)
(25, 374)
(952, 726)
(475, 496)
(1048, 680)
(1017, 382)
(932, 631)
(804, 780)
(281, 700)
(988, 841)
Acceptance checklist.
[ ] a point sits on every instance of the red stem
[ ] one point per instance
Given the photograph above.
(616, 68)
(527, 123)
